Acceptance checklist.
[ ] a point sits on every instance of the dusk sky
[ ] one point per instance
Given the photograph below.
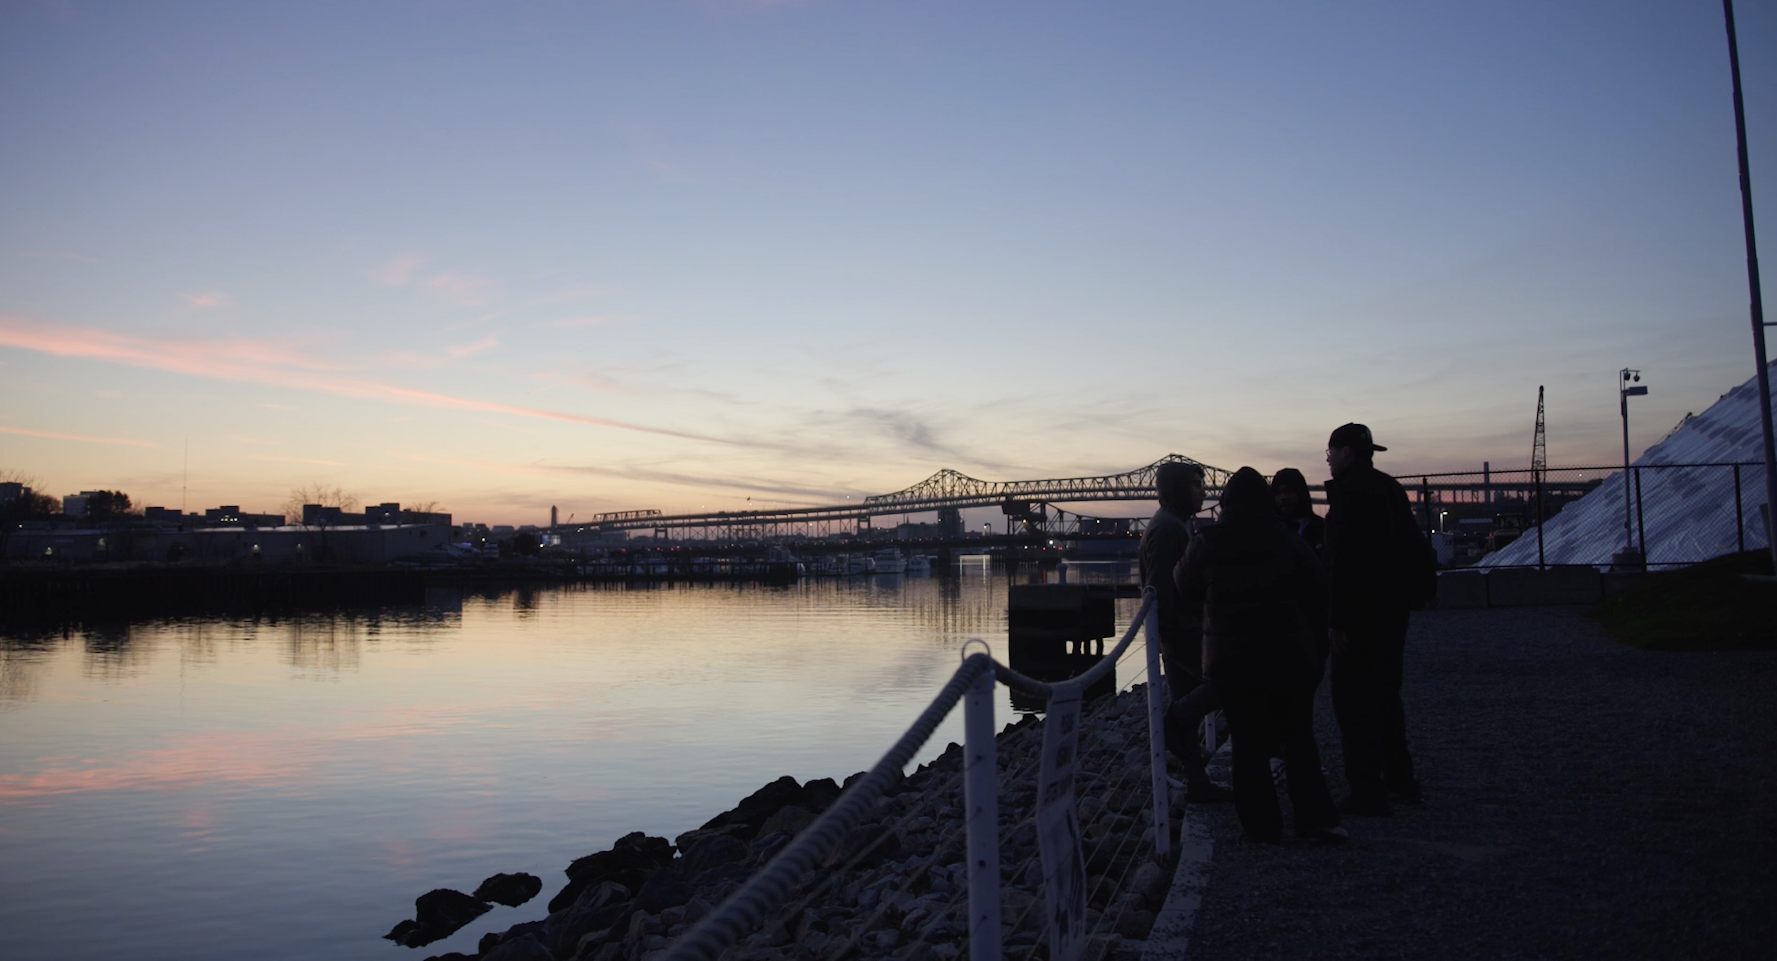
(681, 254)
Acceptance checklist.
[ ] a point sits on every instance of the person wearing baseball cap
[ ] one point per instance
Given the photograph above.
(1381, 568)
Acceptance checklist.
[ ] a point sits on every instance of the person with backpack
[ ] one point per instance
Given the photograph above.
(1381, 568)
(1263, 595)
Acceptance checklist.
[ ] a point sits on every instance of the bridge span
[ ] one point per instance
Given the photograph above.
(1027, 505)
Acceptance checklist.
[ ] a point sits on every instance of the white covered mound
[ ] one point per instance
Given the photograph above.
(1688, 512)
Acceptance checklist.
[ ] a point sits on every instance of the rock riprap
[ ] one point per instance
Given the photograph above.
(896, 887)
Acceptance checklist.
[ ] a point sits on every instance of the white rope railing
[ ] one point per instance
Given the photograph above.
(1057, 828)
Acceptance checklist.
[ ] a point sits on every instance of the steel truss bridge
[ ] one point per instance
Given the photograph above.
(1027, 505)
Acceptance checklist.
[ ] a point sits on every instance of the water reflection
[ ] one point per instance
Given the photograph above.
(192, 767)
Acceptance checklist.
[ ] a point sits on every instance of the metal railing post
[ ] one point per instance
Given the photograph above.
(1425, 502)
(1640, 528)
(1157, 738)
(981, 795)
(1739, 514)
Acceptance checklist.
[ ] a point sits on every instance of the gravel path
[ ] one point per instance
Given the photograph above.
(1583, 800)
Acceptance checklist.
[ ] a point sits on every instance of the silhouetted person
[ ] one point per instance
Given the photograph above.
(1264, 596)
(1376, 560)
(1180, 489)
(1289, 492)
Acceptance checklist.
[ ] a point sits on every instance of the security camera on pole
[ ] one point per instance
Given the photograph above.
(1631, 559)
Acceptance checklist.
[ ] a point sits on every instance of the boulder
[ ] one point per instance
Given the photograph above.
(629, 862)
(761, 804)
(766, 845)
(511, 890)
(820, 793)
(713, 851)
(437, 914)
(519, 949)
(1134, 923)
(791, 819)
(870, 844)
(1151, 882)
(722, 874)
(689, 838)
(493, 939)
(664, 890)
(599, 907)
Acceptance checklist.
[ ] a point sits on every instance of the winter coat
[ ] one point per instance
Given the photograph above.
(1162, 547)
(1263, 595)
(1304, 522)
(1378, 561)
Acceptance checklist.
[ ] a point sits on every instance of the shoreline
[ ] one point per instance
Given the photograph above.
(896, 887)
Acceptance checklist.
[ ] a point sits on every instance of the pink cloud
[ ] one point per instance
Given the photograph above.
(459, 289)
(398, 272)
(571, 322)
(464, 350)
(300, 460)
(265, 363)
(208, 299)
(79, 437)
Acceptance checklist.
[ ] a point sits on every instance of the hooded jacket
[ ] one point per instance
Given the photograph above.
(1262, 591)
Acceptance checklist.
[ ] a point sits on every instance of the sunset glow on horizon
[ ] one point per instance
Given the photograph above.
(724, 254)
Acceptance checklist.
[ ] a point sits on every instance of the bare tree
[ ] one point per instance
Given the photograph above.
(317, 493)
(34, 504)
(424, 507)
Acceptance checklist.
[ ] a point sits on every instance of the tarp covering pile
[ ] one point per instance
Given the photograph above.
(1688, 513)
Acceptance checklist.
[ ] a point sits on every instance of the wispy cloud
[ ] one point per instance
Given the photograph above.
(399, 271)
(591, 321)
(300, 460)
(464, 350)
(460, 289)
(209, 298)
(272, 364)
(79, 437)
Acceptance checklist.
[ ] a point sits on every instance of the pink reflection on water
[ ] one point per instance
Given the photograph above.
(401, 740)
(245, 759)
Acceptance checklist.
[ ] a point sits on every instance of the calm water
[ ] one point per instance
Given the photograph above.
(206, 788)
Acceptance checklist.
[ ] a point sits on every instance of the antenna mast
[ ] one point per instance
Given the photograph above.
(1539, 465)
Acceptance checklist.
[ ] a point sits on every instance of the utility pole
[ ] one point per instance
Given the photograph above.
(1752, 283)
(1624, 391)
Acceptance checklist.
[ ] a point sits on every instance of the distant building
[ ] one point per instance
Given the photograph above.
(74, 505)
(268, 547)
(231, 515)
(162, 515)
(11, 491)
(315, 515)
(391, 513)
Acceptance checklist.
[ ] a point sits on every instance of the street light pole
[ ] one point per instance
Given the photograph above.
(1752, 284)
(1624, 391)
